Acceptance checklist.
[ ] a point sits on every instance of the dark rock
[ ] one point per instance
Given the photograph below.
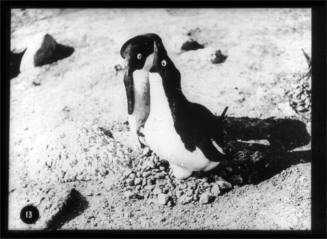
(14, 63)
(237, 179)
(118, 68)
(73, 206)
(106, 132)
(50, 51)
(218, 58)
(191, 45)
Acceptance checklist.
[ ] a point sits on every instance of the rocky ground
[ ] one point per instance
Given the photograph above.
(71, 154)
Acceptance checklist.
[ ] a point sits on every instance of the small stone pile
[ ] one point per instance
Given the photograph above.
(153, 181)
(300, 95)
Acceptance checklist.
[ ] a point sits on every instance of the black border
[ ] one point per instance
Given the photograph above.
(318, 117)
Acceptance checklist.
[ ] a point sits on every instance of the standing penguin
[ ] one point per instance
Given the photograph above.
(135, 52)
(186, 134)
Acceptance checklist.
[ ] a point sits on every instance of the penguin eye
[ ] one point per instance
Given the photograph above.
(139, 56)
(163, 63)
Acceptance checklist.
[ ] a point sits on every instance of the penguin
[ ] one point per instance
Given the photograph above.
(135, 52)
(184, 133)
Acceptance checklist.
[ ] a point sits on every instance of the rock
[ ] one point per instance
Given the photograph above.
(179, 193)
(42, 50)
(132, 195)
(163, 199)
(191, 45)
(215, 190)
(224, 184)
(14, 63)
(73, 206)
(160, 175)
(229, 169)
(157, 191)
(256, 157)
(118, 68)
(148, 165)
(218, 57)
(185, 199)
(106, 132)
(162, 168)
(128, 194)
(237, 179)
(137, 181)
(149, 187)
(195, 197)
(132, 176)
(161, 181)
(151, 181)
(205, 185)
(130, 182)
(205, 198)
(146, 174)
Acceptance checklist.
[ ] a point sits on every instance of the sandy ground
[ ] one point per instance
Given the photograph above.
(56, 144)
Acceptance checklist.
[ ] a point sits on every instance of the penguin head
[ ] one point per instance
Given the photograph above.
(136, 50)
(163, 65)
(138, 55)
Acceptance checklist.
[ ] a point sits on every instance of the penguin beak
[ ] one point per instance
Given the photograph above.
(155, 58)
(129, 87)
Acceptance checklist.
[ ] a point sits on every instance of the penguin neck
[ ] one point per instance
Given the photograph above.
(171, 81)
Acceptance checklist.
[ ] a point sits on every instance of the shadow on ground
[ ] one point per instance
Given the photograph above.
(251, 162)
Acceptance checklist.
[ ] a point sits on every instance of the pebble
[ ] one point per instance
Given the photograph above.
(149, 187)
(162, 168)
(218, 57)
(146, 174)
(130, 182)
(160, 175)
(191, 45)
(224, 184)
(163, 199)
(215, 190)
(205, 198)
(237, 179)
(137, 181)
(185, 199)
(132, 176)
(157, 191)
(151, 181)
(128, 194)
(229, 169)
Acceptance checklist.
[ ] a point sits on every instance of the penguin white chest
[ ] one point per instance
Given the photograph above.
(161, 136)
(141, 100)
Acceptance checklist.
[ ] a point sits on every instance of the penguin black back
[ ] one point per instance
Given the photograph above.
(195, 124)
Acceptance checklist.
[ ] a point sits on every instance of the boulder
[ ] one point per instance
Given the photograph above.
(42, 50)
(14, 61)
(191, 45)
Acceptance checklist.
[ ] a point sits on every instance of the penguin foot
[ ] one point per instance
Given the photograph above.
(179, 172)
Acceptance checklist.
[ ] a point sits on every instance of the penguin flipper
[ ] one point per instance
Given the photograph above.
(212, 151)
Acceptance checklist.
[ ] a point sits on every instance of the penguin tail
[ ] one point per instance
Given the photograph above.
(224, 112)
